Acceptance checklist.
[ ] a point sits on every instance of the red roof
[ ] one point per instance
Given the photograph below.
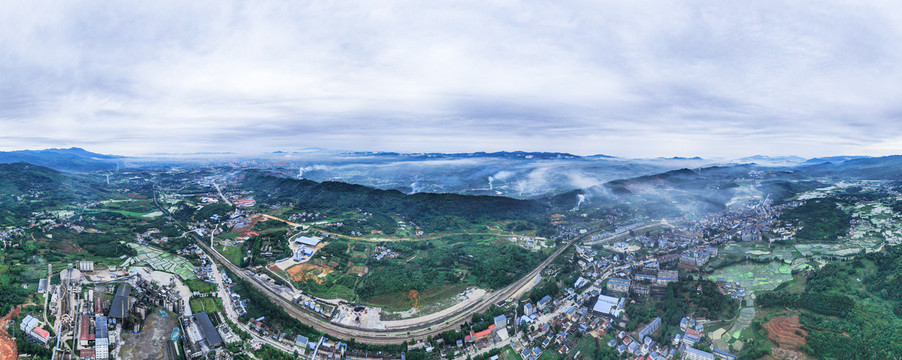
(484, 332)
(84, 328)
(41, 332)
(87, 353)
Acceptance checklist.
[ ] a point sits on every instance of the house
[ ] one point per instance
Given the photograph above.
(667, 276)
(301, 341)
(649, 329)
(528, 309)
(500, 321)
(651, 278)
(641, 289)
(619, 285)
(544, 302)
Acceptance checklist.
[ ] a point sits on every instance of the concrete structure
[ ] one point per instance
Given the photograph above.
(695, 354)
(667, 276)
(529, 309)
(86, 266)
(102, 338)
(543, 302)
(500, 321)
(619, 285)
(653, 326)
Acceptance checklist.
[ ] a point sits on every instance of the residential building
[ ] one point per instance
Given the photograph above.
(695, 354)
(619, 285)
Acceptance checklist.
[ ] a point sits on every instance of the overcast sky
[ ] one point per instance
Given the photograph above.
(628, 78)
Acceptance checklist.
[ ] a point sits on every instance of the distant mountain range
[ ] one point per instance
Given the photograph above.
(72, 159)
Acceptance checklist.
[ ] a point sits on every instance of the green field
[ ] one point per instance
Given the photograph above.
(208, 304)
(233, 253)
(200, 286)
(162, 261)
(755, 277)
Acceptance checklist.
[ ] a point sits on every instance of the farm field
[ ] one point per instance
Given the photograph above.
(755, 277)
(161, 261)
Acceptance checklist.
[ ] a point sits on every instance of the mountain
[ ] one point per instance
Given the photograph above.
(832, 159)
(72, 159)
(772, 160)
(524, 155)
(866, 168)
(432, 211)
(697, 191)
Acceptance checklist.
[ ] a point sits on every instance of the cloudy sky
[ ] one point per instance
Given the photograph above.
(628, 78)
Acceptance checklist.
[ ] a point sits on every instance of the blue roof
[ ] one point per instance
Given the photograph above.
(302, 340)
(102, 330)
(206, 326)
(545, 299)
(724, 353)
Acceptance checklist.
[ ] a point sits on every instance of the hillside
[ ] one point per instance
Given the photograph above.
(433, 212)
(848, 310)
(691, 191)
(26, 187)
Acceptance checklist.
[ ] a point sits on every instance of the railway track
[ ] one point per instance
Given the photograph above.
(382, 336)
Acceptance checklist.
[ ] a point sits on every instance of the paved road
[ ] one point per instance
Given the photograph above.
(230, 312)
(385, 336)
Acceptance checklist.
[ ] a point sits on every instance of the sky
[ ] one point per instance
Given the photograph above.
(626, 78)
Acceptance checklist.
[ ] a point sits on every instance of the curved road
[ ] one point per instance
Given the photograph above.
(384, 336)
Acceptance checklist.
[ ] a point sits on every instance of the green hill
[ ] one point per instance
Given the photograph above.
(25, 188)
(433, 212)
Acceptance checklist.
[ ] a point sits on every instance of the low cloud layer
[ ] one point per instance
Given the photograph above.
(625, 78)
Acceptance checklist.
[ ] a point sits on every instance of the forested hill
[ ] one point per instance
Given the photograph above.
(25, 188)
(433, 212)
(17, 179)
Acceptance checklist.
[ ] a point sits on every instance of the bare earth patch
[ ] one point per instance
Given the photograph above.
(8, 349)
(785, 331)
(307, 271)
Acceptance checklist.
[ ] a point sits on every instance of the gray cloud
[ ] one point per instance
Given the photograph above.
(627, 78)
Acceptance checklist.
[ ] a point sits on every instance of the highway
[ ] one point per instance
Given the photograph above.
(383, 336)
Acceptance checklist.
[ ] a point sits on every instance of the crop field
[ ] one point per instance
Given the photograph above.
(162, 261)
(134, 208)
(755, 277)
